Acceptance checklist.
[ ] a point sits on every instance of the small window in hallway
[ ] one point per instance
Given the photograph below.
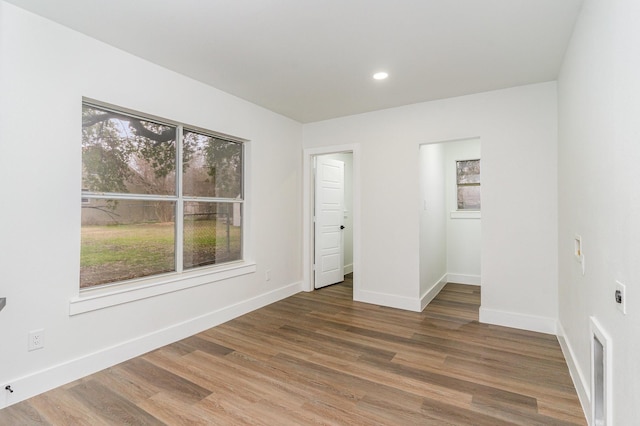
(468, 184)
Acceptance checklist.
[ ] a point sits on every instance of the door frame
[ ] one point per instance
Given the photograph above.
(308, 196)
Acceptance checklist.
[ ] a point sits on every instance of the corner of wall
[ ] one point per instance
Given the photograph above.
(577, 376)
(432, 292)
(386, 299)
(517, 320)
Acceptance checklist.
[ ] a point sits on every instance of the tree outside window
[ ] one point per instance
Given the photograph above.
(157, 197)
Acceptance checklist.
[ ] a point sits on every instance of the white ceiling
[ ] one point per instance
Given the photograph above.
(313, 59)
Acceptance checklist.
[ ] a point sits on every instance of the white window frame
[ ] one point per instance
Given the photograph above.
(116, 293)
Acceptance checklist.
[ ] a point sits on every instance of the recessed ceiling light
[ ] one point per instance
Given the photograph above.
(380, 75)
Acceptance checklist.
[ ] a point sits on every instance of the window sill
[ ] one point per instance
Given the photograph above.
(94, 299)
(466, 214)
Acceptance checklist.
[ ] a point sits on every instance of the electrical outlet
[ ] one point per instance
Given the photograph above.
(36, 340)
(621, 297)
(267, 275)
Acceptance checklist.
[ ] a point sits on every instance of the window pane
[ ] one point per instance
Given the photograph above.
(469, 197)
(212, 167)
(468, 171)
(122, 154)
(126, 239)
(212, 233)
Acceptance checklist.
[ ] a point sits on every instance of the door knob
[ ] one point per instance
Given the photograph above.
(341, 226)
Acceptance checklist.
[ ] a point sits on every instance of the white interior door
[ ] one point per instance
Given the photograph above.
(329, 214)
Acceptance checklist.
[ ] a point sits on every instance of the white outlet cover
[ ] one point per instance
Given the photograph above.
(36, 340)
(622, 307)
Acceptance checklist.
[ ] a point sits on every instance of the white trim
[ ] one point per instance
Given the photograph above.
(432, 292)
(179, 225)
(463, 279)
(100, 298)
(385, 299)
(247, 214)
(348, 269)
(307, 212)
(577, 376)
(41, 381)
(465, 214)
(516, 320)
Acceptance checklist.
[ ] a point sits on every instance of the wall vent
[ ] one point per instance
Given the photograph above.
(600, 376)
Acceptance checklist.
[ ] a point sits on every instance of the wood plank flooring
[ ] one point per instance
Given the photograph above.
(320, 358)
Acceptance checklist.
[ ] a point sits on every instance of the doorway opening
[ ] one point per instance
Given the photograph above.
(333, 230)
(450, 218)
(331, 217)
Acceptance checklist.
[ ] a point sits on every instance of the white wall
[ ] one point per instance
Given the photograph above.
(463, 233)
(433, 221)
(599, 158)
(518, 129)
(347, 159)
(45, 71)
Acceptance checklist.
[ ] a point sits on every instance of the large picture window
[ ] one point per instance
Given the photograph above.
(157, 197)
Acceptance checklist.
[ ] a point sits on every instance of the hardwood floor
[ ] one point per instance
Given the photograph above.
(320, 358)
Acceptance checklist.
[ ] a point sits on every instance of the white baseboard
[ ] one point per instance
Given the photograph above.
(41, 381)
(463, 279)
(515, 320)
(385, 299)
(577, 376)
(411, 304)
(347, 269)
(432, 292)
